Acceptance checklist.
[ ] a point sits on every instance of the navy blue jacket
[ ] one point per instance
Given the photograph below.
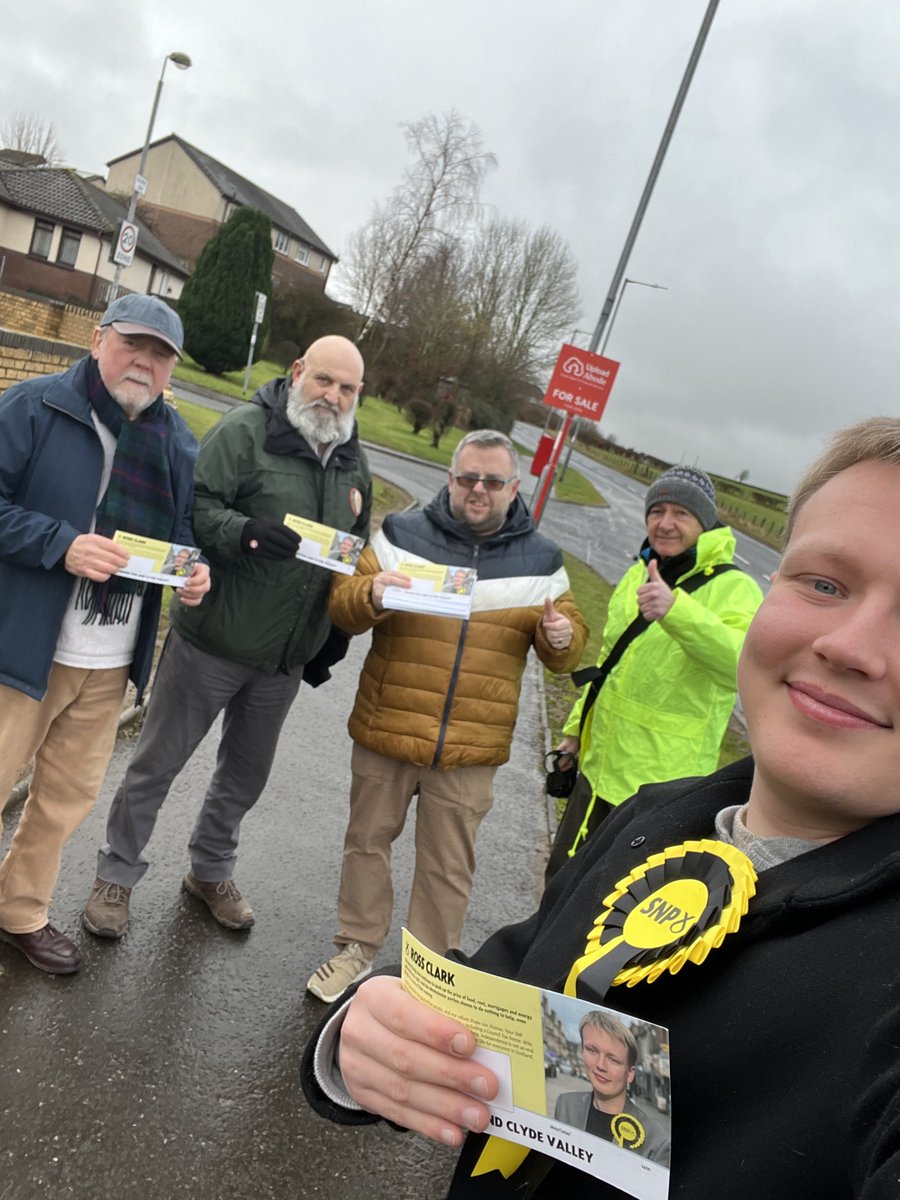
(51, 463)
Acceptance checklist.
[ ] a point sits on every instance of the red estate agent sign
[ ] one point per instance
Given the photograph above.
(581, 382)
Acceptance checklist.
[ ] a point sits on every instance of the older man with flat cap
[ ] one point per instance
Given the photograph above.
(82, 455)
(292, 450)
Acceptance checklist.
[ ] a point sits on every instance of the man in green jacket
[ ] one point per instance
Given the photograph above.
(663, 711)
(292, 450)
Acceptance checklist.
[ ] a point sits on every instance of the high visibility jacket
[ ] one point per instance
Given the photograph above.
(663, 710)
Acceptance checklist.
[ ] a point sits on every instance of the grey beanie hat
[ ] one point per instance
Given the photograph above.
(690, 488)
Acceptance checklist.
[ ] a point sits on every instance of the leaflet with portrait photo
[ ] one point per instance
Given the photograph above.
(153, 561)
(531, 1040)
(437, 588)
(334, 549)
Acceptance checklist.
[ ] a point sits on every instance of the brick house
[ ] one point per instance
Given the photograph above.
(57, 233)
(190, 194)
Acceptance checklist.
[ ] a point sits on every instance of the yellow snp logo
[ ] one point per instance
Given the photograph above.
(667, 914)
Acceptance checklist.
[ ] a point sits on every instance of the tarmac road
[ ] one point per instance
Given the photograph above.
(168, 1066)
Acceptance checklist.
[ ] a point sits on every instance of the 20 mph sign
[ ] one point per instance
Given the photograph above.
(581, 382)
(123, 254)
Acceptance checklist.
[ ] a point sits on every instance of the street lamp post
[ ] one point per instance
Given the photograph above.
(612, 320)
(182, 62)
(622, 264)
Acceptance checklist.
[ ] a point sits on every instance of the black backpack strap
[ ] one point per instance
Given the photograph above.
(597, 676)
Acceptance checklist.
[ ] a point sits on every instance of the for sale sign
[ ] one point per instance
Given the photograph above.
(581, 382)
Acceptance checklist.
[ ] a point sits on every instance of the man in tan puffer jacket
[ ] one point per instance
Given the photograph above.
(438, 697)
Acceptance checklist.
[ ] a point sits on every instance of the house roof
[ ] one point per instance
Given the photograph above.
(62, 195)
(243, 191)
(20, 158)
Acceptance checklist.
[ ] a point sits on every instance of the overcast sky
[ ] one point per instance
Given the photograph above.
(773, 225)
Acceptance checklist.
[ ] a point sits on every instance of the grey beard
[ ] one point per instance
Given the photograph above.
(130, 407)
(320, 425)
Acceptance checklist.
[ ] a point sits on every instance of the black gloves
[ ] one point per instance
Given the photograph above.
(269, 539)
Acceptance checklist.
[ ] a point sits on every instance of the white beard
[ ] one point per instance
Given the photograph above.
(320, 423)
(132, 398)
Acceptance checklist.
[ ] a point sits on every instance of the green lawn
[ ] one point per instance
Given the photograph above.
(575, 489)
(199, 419)
(384, 425)
(232, 382)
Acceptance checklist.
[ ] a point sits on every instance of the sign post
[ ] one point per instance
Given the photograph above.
(580, 386)
(258, 314)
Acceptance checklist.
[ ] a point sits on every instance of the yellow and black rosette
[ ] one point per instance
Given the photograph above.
(672, 909)
(627, 1131)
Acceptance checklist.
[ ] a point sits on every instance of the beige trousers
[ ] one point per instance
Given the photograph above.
(450, 808)
(70, 734)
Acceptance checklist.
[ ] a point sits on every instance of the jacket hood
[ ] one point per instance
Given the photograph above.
(518, 521)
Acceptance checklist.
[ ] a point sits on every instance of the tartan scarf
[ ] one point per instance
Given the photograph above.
(138, 498)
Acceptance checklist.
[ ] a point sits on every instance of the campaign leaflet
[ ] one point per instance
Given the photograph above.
(558, 1081)
(153, 561)
(326, 547)
(438, 589)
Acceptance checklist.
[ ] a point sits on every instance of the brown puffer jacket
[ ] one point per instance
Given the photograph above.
(442, 692)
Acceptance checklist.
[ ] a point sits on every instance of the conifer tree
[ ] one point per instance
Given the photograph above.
(217, 304)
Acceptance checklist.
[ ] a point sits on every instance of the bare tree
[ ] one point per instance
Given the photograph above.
(457, 314)
(28, 132)
(437, 195)
(521, 300)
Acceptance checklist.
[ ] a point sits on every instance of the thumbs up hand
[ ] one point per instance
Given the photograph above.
(654, 597)
(557, 627)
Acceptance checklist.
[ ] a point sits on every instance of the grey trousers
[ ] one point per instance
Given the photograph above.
(190, 691)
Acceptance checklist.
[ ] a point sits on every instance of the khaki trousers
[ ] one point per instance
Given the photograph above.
(70, 734)
(450, 808)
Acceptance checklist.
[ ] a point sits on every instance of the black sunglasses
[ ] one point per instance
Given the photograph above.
(492, 483)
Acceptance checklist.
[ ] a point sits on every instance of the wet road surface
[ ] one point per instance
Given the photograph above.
(168, 1066)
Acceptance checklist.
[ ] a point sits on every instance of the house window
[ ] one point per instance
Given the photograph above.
(282, 242)
(41, 239)
(323, 263)
(68, 247)
(302, 255)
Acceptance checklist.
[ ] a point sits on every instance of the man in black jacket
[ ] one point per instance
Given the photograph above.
(769, 1099)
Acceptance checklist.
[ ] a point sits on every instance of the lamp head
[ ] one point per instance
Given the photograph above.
(181, 61)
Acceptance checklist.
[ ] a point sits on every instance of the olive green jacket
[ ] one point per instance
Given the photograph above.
(271, 615)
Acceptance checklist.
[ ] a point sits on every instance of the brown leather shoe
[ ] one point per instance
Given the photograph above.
(47, 949)
(223, 900)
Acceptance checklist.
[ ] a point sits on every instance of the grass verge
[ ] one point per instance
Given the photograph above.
(232, 382)
(573, 488)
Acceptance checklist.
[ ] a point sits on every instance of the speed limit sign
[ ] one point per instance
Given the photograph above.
(126, 244)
